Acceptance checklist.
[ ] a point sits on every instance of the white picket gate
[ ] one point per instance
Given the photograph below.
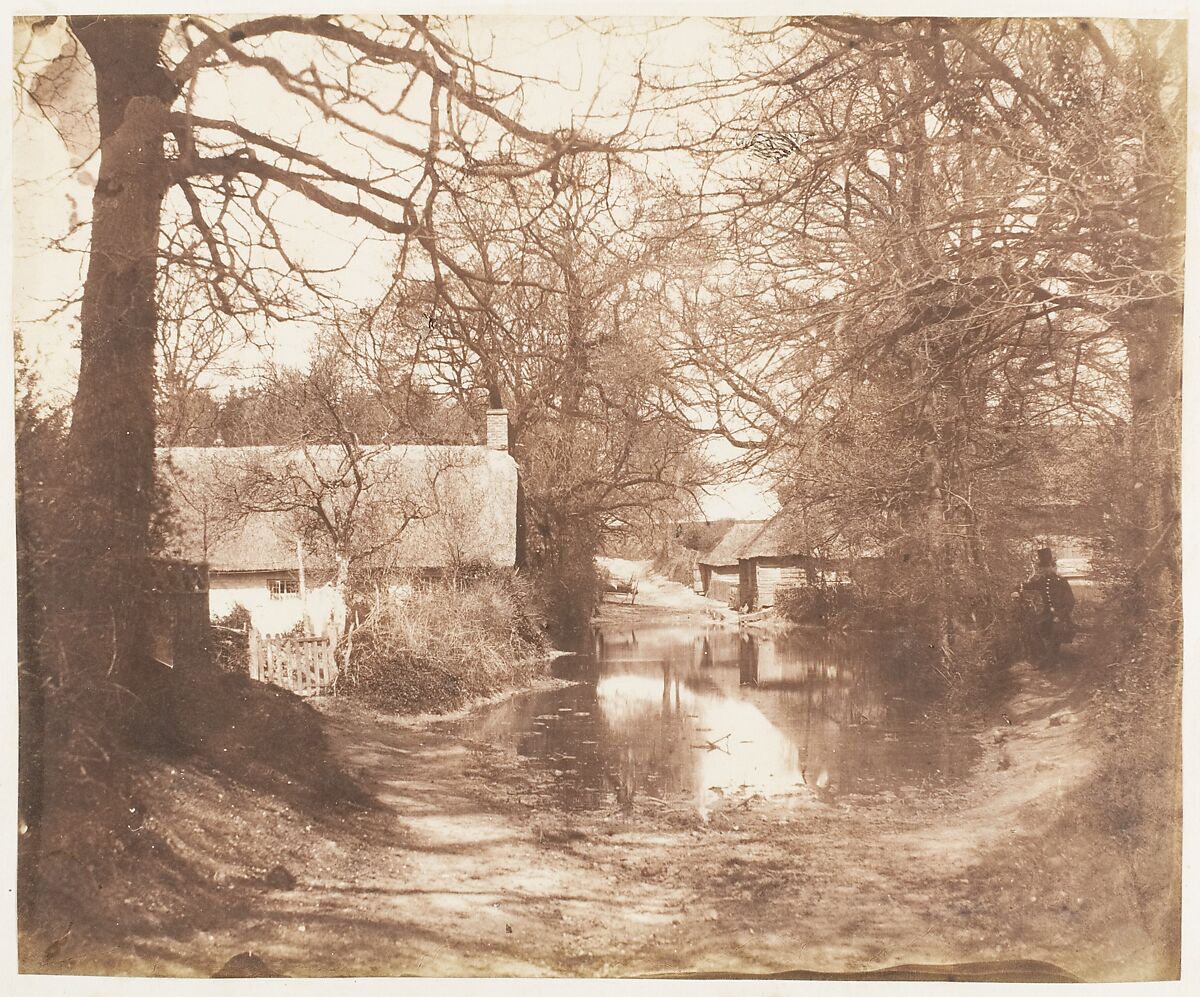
(305, 665)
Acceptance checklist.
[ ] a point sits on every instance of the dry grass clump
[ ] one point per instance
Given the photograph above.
(435, 646)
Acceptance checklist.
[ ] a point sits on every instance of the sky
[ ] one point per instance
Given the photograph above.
(589, 73)
(52, 188)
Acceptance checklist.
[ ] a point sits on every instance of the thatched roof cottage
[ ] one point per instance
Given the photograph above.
(269, 521)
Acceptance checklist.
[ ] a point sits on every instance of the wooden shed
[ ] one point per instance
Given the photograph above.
(719, 570)
(791, 552)
(769, 562)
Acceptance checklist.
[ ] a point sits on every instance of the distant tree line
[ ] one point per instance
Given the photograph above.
(316, 404)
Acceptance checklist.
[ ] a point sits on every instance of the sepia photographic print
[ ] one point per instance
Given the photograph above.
(545, 495)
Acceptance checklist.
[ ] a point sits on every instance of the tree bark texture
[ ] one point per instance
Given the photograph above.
(1155, 377)
(1154, 341)
(111, 443)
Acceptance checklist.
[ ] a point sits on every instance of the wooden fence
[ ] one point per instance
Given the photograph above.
(305, 665)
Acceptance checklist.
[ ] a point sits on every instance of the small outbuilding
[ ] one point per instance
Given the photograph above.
(769, 562)
(789, 551)
(720, 575)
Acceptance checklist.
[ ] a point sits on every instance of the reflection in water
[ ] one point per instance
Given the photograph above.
(683, 713)
(715, 741)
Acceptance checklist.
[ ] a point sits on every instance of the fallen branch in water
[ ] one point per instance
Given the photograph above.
(715, 745)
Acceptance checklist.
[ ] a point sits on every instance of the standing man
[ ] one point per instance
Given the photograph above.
(1049, 603)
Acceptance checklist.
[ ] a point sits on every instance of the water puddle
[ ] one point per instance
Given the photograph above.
(696, 716)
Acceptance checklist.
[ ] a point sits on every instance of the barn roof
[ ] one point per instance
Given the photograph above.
(778, 538)
(731, 545)
(791, 534)
(243, 508)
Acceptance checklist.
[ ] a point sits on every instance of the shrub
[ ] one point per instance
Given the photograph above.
(238, 618)
(678, 564)
(566, 593)
(446, 643)
(230, 650)
(827, 605)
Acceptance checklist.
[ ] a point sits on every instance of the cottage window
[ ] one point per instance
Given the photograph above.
(281, 587)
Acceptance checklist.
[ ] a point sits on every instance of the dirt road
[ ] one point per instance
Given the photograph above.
(465, 868)
(658, 600)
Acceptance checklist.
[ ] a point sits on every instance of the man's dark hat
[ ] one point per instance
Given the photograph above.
(1045, 555)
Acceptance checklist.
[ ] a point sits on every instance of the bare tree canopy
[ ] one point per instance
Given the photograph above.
(949, 243)
(221, 169)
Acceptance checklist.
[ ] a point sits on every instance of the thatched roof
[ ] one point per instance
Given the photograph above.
(702, 535)
(791, 534)
(727, 552)
(778, 538)
(243, 508)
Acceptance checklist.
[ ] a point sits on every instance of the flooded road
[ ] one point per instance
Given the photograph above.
(701, 802)
(692, 716)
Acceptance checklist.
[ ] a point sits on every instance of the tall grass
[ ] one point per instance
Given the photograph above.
(431, 647)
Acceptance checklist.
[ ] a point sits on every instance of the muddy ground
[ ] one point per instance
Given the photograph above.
(658, 600)
(462, 865)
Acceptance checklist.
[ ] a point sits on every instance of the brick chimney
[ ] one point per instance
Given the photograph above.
(497, 429)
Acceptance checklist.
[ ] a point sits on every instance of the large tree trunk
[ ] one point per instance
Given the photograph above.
(1154, 341)
(111, 444)
(1155, 376)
